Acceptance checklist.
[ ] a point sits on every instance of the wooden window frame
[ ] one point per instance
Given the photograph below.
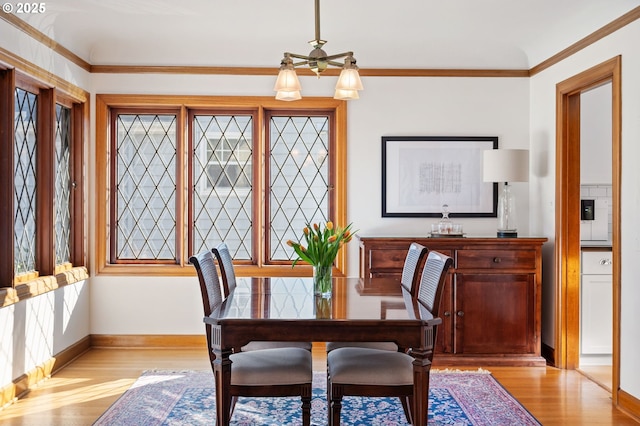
(105, 103)
(46, 270)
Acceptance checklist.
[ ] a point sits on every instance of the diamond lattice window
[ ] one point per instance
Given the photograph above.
(25, 136)
(62, 185)
(299, 179)
(183, 179)
(146, 187)
(223, 183)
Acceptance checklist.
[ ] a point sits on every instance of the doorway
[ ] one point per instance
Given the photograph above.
(568, 248)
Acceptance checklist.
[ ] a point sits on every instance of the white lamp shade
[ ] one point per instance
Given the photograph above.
(346, 95)
(349, 80)
(287, 81)
(505, 165)
(288, 96)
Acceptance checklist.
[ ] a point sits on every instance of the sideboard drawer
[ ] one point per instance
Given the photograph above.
(387, 259)
(496, 259)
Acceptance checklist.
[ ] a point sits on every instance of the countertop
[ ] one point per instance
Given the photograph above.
(596, 244)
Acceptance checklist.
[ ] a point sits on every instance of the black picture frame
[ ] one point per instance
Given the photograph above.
(421, 173)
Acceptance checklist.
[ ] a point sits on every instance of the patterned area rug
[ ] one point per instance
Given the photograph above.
(187, 398)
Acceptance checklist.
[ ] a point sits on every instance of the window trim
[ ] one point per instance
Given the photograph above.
(332, 169)
(106, 102)
(178, 170)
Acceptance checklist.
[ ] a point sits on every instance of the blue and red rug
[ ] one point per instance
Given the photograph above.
(187, 398)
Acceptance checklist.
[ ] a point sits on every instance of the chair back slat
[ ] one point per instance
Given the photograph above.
(209, 282)
(410, 271)
(432, 281)
(225, 262)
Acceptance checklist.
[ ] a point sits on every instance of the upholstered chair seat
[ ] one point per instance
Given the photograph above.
(281, 366)
(354, 366)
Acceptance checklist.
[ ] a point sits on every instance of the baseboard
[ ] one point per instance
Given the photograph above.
(629, 404)
(22, 384)
(148, 341)
(549, 354)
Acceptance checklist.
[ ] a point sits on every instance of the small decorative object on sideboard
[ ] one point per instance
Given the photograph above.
(446, 228)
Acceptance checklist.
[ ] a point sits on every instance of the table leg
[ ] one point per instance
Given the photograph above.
(421, 370)
(223, 383)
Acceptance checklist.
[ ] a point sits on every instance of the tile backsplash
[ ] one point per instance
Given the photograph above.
(600, 192)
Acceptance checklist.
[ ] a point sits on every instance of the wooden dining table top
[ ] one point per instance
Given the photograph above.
(285, 309)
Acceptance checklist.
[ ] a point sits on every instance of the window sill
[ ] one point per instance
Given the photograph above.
(241, 270)
(41, 285)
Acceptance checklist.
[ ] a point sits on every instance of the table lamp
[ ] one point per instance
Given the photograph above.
(506, 165)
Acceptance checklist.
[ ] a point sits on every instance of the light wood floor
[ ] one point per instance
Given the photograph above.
(79, 393)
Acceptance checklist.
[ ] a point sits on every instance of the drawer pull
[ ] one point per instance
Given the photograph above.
(460, 313)
(447, 314)
(606, 262)
(497, 260)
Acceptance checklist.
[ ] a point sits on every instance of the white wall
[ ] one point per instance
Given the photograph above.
(387, 106)
(595, 136)
(35, 329)
(542, 189)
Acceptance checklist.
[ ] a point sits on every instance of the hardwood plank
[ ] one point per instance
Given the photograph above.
(82, 391)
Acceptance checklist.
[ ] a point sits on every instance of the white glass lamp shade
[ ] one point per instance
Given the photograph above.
(288, 96)
(346, 95)
(506, 165)
(287, 81)
(349, 79)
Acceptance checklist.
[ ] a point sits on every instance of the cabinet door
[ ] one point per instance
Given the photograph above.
(494, 313)
(596, 312)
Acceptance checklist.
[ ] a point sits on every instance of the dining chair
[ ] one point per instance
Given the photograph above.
(409, 280)
(227, 271)
(353, 371)
(275, 372)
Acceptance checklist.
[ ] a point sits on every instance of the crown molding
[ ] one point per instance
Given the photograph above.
(599, 34)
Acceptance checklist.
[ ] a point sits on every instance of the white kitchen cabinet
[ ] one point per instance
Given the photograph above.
(596, 305)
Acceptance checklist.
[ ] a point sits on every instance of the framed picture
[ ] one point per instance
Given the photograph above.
(422, 173)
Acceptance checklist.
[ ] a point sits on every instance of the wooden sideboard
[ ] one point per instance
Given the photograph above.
(491, 306)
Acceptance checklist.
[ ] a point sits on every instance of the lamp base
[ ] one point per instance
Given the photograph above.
(507, 234)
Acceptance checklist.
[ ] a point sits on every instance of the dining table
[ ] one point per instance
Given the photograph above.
(285, 309)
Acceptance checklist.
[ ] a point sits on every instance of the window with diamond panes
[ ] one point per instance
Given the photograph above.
(25, 138)
(249, 172)
(299, 178)
(62, 185)
(223, 183)
(145, 187)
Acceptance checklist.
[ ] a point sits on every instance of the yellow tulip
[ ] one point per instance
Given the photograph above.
(329, 225)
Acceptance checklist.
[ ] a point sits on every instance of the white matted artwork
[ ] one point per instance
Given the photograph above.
(422, 173)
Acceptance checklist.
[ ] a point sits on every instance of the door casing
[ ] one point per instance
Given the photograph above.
(567, 247)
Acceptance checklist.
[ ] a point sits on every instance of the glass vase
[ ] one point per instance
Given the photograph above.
(322, 280)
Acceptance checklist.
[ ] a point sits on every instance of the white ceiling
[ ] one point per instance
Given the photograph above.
(472, 34)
